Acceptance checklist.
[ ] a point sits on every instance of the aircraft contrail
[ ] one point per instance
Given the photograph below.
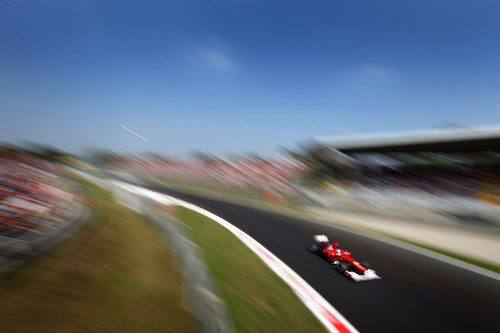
(134, 133)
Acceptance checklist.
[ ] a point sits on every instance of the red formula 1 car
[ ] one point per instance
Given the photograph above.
(342, 260)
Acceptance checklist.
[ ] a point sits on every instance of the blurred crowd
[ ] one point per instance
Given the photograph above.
(448, 178)
(35, 196)
(442, 182)
(275, 175)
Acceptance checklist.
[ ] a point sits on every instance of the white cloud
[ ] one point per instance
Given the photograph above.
(218, 60)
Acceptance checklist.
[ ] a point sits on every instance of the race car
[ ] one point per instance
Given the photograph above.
(342, 260)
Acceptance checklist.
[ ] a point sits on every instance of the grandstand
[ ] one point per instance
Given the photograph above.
(451, 140)
(455, 168)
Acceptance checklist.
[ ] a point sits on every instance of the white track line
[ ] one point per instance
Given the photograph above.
(324, 311)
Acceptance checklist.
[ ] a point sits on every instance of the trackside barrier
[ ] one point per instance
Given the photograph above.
(202, 297)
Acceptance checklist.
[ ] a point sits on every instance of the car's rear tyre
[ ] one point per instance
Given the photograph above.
(312, 248)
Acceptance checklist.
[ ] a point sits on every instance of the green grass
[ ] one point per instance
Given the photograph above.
(114, 275)
(228, 194)
(257, 299)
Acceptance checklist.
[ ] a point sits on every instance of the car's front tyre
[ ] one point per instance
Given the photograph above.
(312, 248)
(365, 264)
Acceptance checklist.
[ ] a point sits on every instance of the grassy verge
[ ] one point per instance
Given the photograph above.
(257, 299)
(248, 198)
(114, 275)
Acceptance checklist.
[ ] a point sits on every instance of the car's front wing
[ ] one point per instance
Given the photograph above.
(369, 275)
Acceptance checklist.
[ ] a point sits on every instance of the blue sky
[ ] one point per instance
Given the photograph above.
(239, 76)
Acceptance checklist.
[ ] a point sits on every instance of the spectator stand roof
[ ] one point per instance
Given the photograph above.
(453, 139)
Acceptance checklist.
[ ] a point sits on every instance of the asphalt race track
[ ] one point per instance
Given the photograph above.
(416, 292)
